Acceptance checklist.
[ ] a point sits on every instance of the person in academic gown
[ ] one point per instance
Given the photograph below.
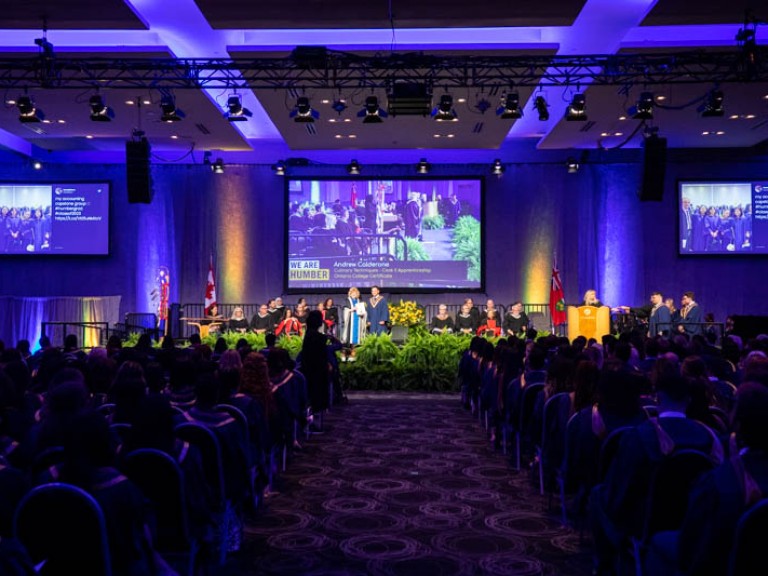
(378, 312)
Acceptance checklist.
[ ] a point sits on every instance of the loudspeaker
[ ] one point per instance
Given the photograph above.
(138, 176)
(654, 167)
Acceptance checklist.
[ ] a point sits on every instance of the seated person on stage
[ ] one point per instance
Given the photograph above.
(491, 327)
(262, 321)
(516, 321)
(301, 312)
(238, 322)
(330, 316)
(442, 323)
(290, 325)
(278, 312)
(489, 305)
(465, 321)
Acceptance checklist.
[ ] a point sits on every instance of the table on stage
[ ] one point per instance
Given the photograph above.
(205, 325)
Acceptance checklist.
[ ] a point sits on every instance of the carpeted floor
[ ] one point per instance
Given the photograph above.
(406, 485)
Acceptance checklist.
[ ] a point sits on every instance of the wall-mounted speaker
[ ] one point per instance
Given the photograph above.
(654, 169)
(137, 171)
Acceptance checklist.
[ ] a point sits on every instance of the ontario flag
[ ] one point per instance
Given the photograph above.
(210, 289)
(556, 299)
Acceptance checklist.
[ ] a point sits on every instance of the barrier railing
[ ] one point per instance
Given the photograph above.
(89, 334)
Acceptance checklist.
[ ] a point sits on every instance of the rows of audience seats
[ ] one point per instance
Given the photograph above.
(656, 450)
(141, 460)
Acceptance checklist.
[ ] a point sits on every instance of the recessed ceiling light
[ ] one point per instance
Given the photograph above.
(618, 133)
(89, 136)
(46, 121)
(130, 102)
(174, 137)
(705, 133)
(450, 135)
(331, 119)
(60, 121)
(661, 97)
(338, 136)
(461, 100)
(720, 132)
(733, 117)
(603, 134)
(146, 101)
(11, 102)
(353, 135)
(622, 117)
(436, 135)
(749, 116)
(325, 101)
(347, 120)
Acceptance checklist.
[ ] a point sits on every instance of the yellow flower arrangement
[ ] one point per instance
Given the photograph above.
(406, 313)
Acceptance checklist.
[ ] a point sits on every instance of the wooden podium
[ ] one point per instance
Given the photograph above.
(589, 321)
(204, 325)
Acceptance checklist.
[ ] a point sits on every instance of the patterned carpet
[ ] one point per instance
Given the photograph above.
(406, 485)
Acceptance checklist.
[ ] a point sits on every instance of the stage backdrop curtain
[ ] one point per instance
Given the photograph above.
(21, 318)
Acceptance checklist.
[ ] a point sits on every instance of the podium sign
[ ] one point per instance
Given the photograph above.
(589, 321)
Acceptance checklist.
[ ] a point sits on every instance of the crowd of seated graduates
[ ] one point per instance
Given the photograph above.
(598, 422)
(71, 416)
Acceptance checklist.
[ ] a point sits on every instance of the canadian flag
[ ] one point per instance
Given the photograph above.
(210, 289)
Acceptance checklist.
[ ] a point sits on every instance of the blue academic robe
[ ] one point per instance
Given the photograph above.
(377, 313)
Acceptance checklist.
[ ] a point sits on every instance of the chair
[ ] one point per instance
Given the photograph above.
(667, 498)
(208, 444)
(552, 446)
(45, 460)
(242, 420)
(120, 430)
(562, 474)
(161, 480)
(527, 402)
(63, 527)
(608, 450)
(748, 549)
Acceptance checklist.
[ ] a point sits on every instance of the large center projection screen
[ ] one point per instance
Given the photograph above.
(407, 235)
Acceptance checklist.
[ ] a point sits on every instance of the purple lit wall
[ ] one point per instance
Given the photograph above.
(603, 235)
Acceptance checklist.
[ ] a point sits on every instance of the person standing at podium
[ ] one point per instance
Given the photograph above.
(590, 299)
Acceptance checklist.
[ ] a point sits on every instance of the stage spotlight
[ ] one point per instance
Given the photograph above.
(28, 112)
(713, 105)
(542, 108)
(339, 106)
(37, 165)
(371, 112)
(444, 111)
(423, 167)
(236, 112)
(279, 168)
(218, 166)
(353, 168)
(643, 110)
(497, 167)
(576, 111)
(100, 112)
(303, 111)
(510, 107)
(169, 110)
(572, 165)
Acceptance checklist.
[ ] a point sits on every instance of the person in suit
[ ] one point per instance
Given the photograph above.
(660, 320)
(690, 316)
(686, 225)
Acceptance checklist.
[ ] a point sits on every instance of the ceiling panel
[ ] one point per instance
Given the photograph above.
(354, 14)
(69, 15)
(686, 12)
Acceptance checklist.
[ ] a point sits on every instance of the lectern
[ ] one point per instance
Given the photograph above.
(589, 321)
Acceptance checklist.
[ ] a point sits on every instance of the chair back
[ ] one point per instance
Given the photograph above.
(671, 484)
(608, 450)
(206, 441)
(748, 550)
(527, 403)
(161, 480)
(63, 526)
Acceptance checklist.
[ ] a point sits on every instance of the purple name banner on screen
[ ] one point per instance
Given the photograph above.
(406, 234)
(61, 218)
